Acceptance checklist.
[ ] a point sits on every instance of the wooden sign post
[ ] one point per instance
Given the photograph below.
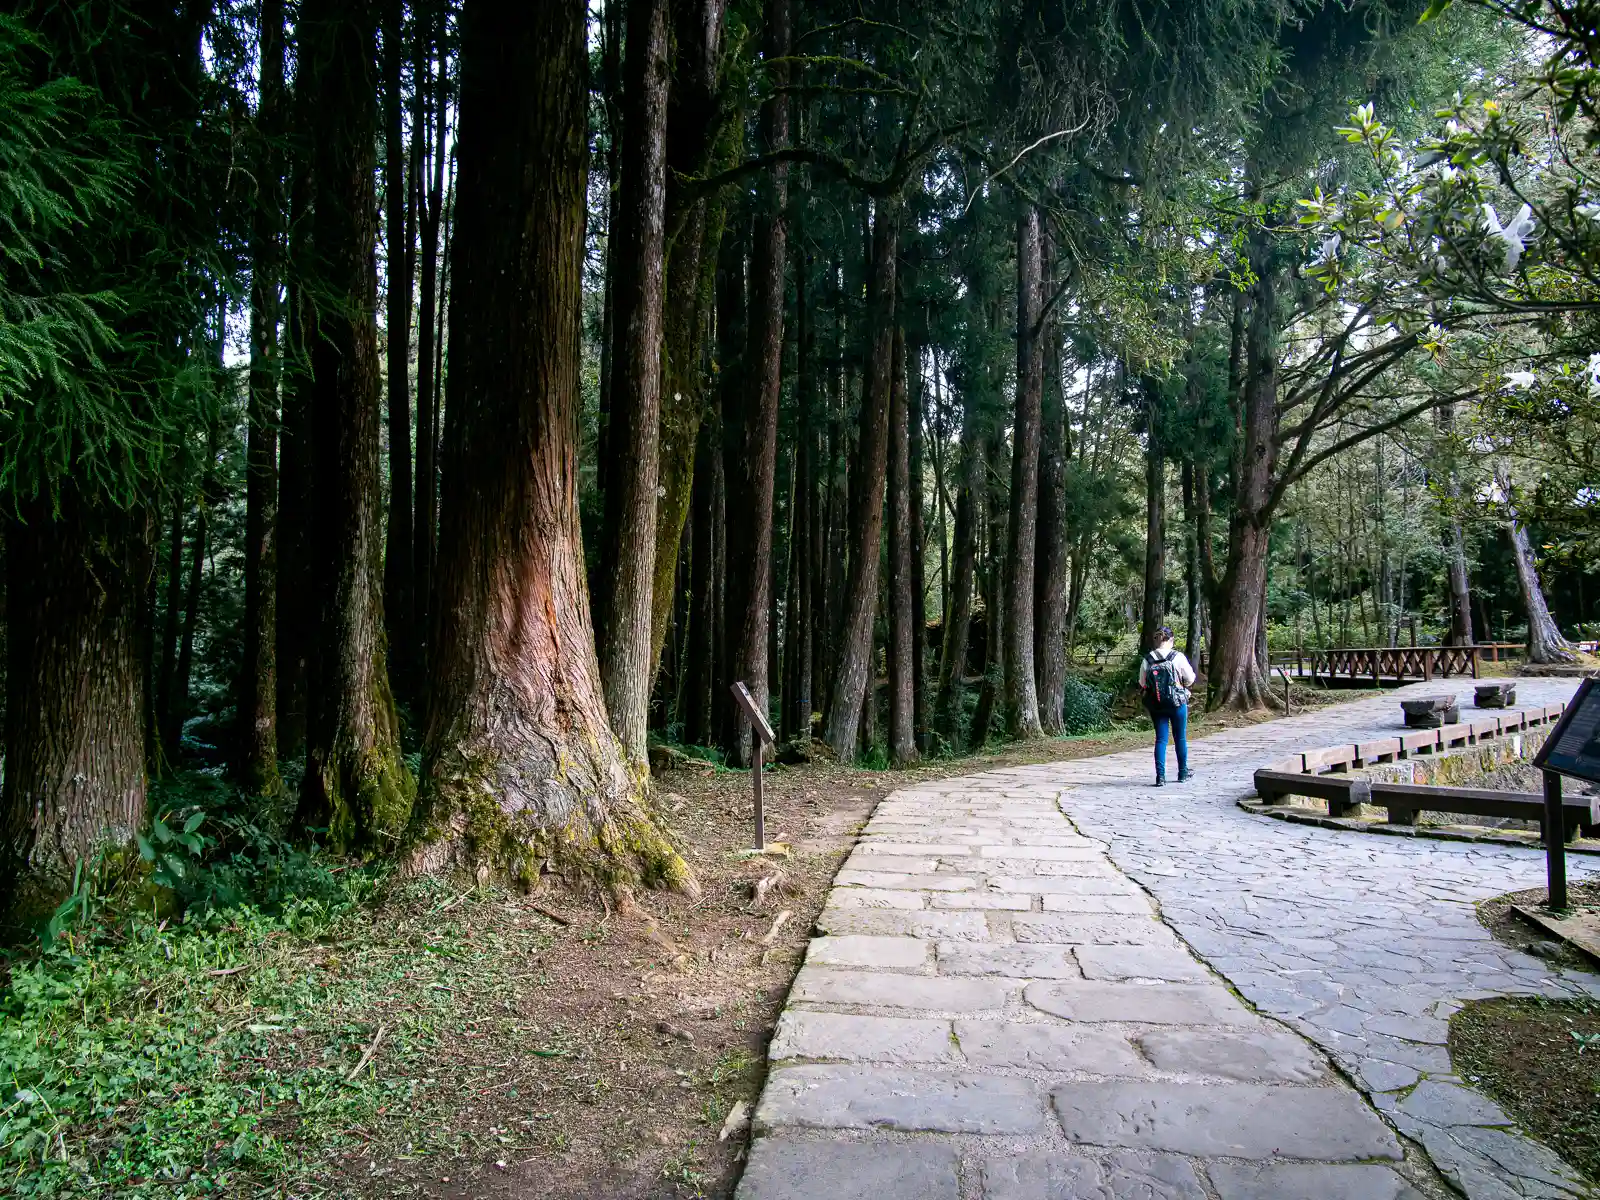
(761, 736)
(1571, 748)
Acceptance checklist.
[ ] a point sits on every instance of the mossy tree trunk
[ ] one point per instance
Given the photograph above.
(694, 225)
(75, 691)
(520, 764)
(356, 783)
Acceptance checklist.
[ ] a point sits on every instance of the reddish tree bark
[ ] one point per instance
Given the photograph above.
(356, 784)
(628, 533)
(1021, 694)
(853, 670)
(1234, 678)
(902, 703)
(520, 762)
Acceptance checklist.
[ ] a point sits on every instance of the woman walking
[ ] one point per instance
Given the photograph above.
(1165, 677)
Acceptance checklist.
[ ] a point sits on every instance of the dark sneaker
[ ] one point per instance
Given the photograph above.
(1185, 776)
(1161, 781)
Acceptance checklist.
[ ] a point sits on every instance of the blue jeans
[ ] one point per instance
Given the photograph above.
(1178, 721)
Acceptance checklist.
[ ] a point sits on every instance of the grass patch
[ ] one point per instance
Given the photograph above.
(218, 1052)
(1538, 1059)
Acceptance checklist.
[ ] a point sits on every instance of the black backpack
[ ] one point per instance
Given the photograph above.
(1163, 691)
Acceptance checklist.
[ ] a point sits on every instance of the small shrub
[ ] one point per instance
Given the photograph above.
(1084, 709)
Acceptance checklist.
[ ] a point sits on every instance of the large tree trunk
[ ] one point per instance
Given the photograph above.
(1154, 612)
(919, 591)
(1234, 678)
(1545, 642)
(356, 784)
(800, 619)
(694, 235)
(1193, 594)
(702, 665)
(75, 696)
(1050, 585)
(970, 492)
(520, 762)
(428, 122)
(178, 706)
(902, 704)
(853, 672)
(257, 750)
(751, 425)
(1021, 694)
(397, 232)
(633, 430)
(1456, 546)
(995, 610)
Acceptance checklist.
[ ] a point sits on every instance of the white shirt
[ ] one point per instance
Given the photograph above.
(1185, 672)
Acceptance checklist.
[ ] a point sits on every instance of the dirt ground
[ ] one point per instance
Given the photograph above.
(607, 1053)
(1539, 1060)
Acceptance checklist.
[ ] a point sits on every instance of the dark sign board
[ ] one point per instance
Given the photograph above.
(757, 717)
(1573, 747)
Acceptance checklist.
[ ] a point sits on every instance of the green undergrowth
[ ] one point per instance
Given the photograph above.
(195, 1028)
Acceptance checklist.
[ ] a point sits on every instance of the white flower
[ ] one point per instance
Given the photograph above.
(1330, 247)
(1513, 236)
(1590, 210)
(1521, 379)
(1594, 374)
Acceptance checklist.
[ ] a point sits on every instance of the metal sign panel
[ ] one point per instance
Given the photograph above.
(757, 718)
(1573, 747)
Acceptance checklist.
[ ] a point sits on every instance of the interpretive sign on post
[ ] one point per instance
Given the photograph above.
(761, 737)
(1572, 748)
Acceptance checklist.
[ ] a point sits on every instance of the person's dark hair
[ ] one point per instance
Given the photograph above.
(1164, 634)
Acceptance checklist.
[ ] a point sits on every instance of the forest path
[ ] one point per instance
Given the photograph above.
(995, 1008)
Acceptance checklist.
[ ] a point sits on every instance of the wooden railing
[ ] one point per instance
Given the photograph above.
(1382, 664)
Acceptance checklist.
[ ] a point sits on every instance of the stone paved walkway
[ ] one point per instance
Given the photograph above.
(1005, 1002)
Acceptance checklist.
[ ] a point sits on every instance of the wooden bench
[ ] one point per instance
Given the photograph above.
(1501, 693)
(1340, 794)
(1405, 800)
(1430, 712)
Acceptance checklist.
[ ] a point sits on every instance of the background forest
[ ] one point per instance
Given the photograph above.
(415, 413)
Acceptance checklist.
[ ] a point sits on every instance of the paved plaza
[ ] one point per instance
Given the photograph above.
(1057, 982)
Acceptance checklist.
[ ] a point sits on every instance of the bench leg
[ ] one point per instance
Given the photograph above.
(1402, 816)
(1339, 808)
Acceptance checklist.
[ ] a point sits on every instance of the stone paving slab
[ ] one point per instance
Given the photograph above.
(1227, 1120)
(882, 989)
(853, 1038)
(783, 1169)
(1124, 1175)
(1235, 1181)
(998, 1005)
(872, 1097)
